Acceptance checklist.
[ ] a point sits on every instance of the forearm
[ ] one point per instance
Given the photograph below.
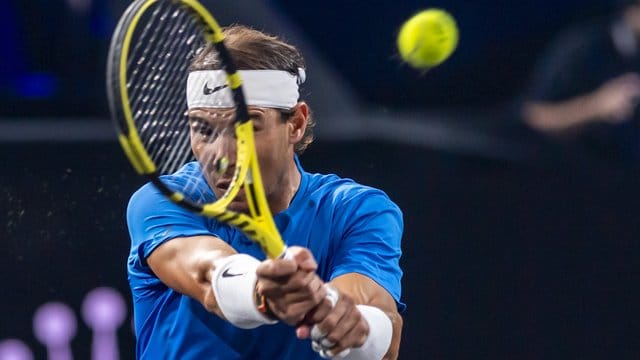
(186, 265)
(560, 116)
(207, 269)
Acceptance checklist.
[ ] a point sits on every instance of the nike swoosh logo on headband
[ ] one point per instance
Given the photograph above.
(208, 91)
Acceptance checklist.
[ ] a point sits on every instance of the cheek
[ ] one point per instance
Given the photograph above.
(272, 154)
(196, 146)
(271, 141)
(198, 151)
(195, 149)
(267, 149)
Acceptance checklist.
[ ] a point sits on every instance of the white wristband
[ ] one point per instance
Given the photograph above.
(233, 282)
(379, 339)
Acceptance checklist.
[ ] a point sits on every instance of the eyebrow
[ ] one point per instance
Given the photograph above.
(206, 118)
(255, 114)
(198, 121)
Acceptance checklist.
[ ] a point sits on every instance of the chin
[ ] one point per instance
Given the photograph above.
(239, 206)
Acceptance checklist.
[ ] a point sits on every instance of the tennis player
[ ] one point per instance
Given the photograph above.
(201, 289)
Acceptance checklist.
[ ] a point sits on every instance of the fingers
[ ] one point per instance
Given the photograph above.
(303, 258)
(297, 285)
(342, 328)
(616, 100)
(291, 303)
(324, 307)
(298, 258)
(296, 295)
(276, 268)
(290, 286)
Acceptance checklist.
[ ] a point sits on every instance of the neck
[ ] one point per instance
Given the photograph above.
(288, 184)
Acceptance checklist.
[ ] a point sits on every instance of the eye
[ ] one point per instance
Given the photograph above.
(202, 129)
(205, 131)
(258, 122)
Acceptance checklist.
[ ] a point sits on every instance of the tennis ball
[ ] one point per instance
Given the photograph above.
(428, 38)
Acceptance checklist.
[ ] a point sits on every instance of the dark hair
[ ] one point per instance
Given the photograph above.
(255, 50)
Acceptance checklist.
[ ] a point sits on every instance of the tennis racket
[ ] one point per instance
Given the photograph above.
(148, 64)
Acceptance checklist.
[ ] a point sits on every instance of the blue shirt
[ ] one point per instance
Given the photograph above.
(349, 228)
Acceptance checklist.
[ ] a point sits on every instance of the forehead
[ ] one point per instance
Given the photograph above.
(227, 113)
(210, 113)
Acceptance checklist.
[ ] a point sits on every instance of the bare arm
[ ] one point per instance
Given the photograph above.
(558, 117)
(613, 102)
(186, 264)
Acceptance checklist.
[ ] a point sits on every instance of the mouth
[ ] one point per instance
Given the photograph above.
(223, 185)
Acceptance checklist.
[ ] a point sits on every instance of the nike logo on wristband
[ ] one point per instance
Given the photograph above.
(208, 91)
(226, 273)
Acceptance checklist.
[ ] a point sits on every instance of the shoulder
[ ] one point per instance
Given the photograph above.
(188, 177)
(153, 219)
(149, 204)
(339, 188)
(347, 194)
(144, 196)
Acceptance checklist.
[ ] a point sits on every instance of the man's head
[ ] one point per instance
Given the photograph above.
(272, 71)
(254, 50)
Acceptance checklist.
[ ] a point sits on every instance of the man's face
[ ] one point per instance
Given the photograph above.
(213, 137)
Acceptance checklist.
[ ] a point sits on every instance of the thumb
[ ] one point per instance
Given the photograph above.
(303, 258)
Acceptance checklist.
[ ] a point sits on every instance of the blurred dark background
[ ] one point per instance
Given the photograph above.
(53, 52)
(517, 245)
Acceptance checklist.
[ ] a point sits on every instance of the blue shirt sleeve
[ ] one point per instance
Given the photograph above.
(370, 243)
(153, 219)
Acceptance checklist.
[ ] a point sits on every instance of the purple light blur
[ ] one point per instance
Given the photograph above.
(54, 325)
(13, 349)
(104, 309)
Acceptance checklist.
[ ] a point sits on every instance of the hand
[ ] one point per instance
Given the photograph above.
(290, 286)
(615, 100)
(339, 326)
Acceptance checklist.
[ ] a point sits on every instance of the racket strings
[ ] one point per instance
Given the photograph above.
(172, 90)
(147, 84)
(158, 67)
(159, 94)
(176, 106)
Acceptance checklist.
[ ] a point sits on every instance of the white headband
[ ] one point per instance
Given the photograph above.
(264, 88)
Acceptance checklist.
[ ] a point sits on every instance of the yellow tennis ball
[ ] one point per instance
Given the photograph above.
(428, 38)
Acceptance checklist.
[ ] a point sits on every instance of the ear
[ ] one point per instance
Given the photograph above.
(297, 122)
